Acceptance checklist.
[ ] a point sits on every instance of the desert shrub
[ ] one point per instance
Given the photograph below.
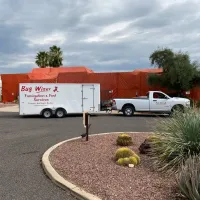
(179, 138)
(192, 104)
(189, 178)
(124, 140)
(198, 104)
(123, 152)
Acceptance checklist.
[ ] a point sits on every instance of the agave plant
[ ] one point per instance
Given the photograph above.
(188, 178)
(179, 138)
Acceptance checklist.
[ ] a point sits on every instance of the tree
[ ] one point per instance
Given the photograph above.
(42, 59)
(55, 56)
(162, 58)
(178, 74)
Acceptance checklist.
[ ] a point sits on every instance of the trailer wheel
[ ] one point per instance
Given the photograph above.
(128, 110)
(60, 113)
(47, 113)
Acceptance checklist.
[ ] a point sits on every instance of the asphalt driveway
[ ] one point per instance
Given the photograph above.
(24, 140)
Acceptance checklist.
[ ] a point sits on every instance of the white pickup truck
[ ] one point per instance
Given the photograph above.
(154, 102)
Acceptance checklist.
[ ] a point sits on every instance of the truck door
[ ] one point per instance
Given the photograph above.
(88, 97)
(158, 102)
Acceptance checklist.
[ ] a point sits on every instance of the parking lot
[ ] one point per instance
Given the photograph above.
(24, 140)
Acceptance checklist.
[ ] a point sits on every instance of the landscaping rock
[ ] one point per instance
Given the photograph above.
(145, 147)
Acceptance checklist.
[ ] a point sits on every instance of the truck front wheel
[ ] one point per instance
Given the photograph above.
(128, 110)
(177, 108)
(47, 113)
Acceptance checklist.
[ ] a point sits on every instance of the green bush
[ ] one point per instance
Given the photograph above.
(124, 140)
(189, 178)
(179, 138)
(123, 152)
(198, 104)
(192, 104)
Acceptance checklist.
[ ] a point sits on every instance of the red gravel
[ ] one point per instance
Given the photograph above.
(90, 166)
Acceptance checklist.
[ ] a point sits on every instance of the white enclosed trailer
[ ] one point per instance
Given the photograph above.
(48, 99)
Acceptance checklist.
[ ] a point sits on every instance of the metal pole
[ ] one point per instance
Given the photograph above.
(87, 126)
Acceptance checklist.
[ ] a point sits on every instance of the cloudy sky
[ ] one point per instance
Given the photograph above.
(111, 35)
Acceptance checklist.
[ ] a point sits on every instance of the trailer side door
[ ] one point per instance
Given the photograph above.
(88, 97)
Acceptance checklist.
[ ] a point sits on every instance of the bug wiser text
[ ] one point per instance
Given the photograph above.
(38, 89)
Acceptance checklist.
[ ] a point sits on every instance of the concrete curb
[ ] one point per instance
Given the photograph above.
(63, 183)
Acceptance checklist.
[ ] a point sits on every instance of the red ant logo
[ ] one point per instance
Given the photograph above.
(56, 89)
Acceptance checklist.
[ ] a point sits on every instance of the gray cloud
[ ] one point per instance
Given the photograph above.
(113, 35)
(10, 39)
(171, 15)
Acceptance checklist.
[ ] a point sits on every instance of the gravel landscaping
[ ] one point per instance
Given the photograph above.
(90, 166)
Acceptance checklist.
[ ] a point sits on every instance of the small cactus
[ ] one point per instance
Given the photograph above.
(133, 160)
(129, 160)
(123, 152)
(126, 161)
(124, 140)
(120, 161)
(137, 158)
(125, 156)
(153, 138)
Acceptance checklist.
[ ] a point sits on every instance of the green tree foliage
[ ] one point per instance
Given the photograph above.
(162, 58)
(55, 56)
(42, 59)
(179, 73)
(52, 58)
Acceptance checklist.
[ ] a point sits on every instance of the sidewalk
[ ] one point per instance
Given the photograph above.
(13, 108)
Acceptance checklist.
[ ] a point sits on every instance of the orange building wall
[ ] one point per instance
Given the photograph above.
(10, 86)
(122, 84)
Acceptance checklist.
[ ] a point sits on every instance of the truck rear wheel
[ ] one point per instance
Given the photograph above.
(47, 113)
(60, 113)
(128, 110)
